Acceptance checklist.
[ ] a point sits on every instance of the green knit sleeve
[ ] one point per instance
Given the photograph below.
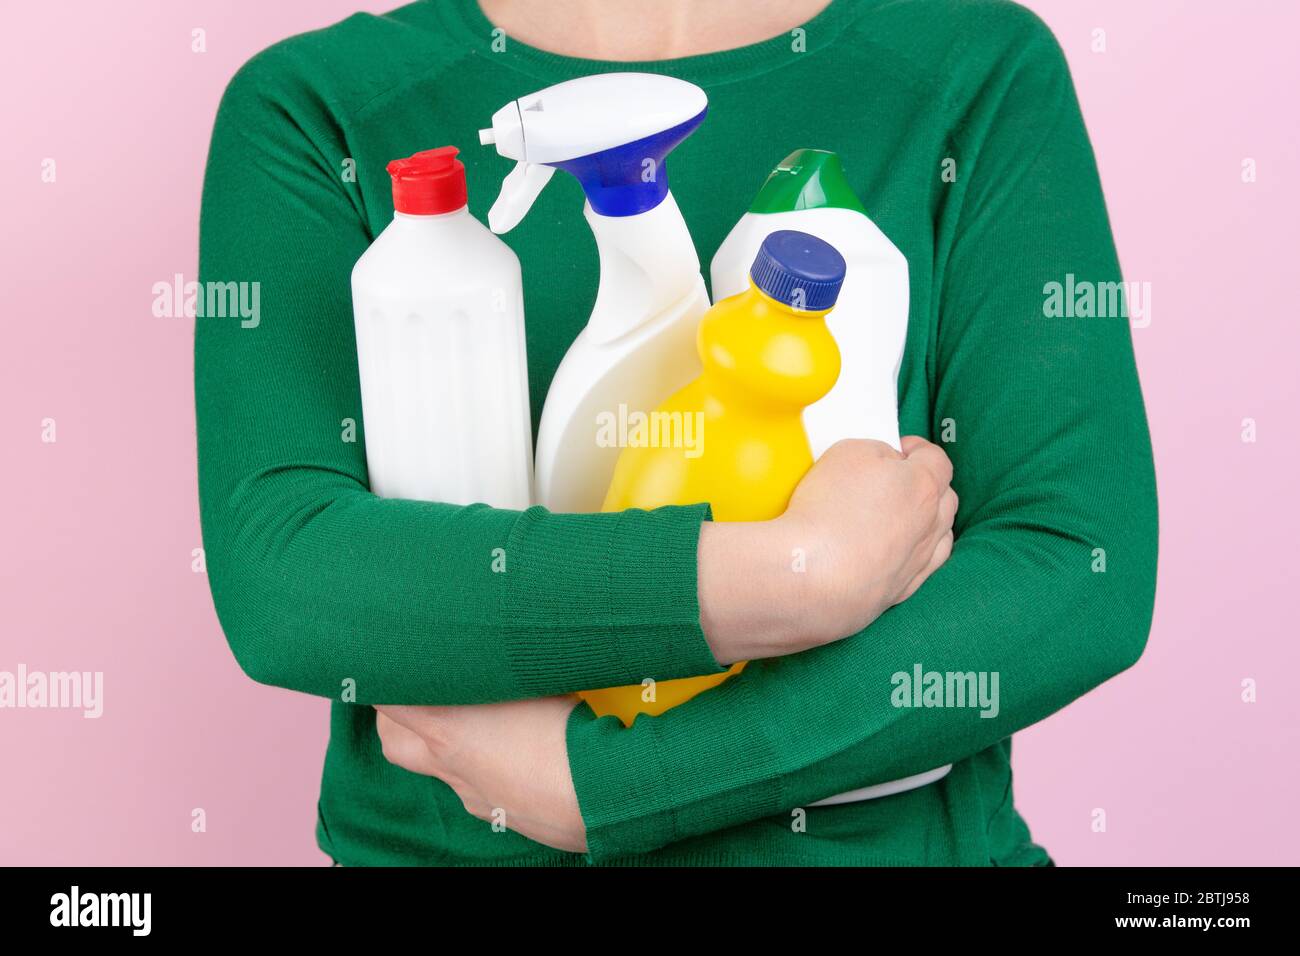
(1051, 582)
(319, 585)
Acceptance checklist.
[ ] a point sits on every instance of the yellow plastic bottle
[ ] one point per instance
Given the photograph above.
(734, 437)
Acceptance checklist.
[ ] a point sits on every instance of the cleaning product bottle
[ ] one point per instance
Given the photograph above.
(768, 355)
(612, 132)
(734, 437)
(438, 305)
(808, 192)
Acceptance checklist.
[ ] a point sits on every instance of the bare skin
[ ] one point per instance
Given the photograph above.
(627, 30)
(872, 523)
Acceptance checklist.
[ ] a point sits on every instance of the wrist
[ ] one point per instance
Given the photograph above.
(754, 592)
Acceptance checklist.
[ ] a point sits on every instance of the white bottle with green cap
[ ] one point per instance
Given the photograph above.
(808, 192)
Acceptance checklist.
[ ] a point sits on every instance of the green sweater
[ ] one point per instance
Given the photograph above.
(322, 587)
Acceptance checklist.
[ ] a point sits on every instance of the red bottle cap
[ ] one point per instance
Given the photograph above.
(430, 182)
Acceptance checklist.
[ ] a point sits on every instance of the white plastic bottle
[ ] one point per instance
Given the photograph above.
(438, 305)
(808, 192)
(612, 132)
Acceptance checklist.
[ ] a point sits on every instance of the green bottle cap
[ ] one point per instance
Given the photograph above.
(806, 179)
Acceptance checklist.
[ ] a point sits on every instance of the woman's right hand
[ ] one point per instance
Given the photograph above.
(864, 529)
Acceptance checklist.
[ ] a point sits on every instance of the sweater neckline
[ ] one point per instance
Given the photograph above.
(467, 21)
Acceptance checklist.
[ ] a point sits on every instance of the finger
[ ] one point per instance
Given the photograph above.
(912, 587)
(934, 459)
(413, 717)
(948, 509)
(879, 448)
(911, 442)
(942, 551)
(865, 447)
(403, 747)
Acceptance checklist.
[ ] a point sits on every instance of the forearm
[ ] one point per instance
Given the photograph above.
(322, 587)
(752, 605)
(1019, 608)
(1051, 583)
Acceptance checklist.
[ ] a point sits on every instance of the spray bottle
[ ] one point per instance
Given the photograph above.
(612, 132)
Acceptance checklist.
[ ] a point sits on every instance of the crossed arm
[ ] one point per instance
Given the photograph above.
(1050, 584)
(316, 581)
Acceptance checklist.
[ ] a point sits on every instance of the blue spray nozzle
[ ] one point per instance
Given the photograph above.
(631, 178)
(612, 132)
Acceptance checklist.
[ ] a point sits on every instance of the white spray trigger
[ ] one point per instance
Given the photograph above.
(518, 191)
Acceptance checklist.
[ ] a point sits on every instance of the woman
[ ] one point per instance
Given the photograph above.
(959, 127)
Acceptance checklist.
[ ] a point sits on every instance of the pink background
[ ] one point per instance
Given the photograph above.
(98, 528)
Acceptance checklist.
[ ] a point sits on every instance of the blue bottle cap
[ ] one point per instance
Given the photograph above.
(799, 270)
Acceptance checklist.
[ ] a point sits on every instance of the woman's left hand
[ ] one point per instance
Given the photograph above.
(507, 762)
